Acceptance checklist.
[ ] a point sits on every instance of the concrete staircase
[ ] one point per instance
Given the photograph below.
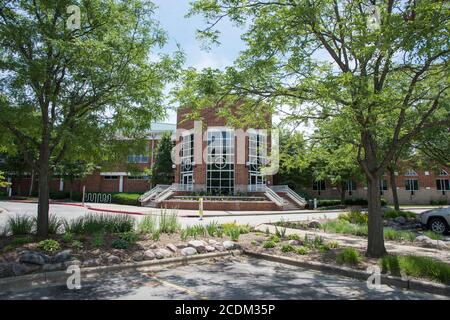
(288, 204)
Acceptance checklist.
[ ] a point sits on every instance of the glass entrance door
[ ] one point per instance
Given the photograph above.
(187, 182)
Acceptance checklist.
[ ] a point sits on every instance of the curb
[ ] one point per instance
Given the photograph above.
(409, 284)
(36, 280)
(279, 213)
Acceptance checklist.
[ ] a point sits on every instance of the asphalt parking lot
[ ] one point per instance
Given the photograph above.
(233, 278)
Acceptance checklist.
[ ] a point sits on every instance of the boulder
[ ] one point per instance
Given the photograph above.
(172, 247)
(229, 245)
(112, 259)
(314, 224)
(400, 220)
(62, 256)
(212, 242)
(198, 245)
(153, 246)
(73, 262)
(188, 251)
(149, 255)
(52, 266)
(6, 270)
(162, 253)
(210, 248)
(294, 242)
(219, 247)
(24, 268)
(181, 245)
(92, 262)
(34, 257)
(137, 256)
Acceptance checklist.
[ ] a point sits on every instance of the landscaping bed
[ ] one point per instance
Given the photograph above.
(399, 226)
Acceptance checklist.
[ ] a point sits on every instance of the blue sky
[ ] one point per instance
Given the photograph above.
(182, 31)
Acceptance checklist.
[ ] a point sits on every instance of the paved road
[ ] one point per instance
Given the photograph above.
(70, 212)
(234, 278)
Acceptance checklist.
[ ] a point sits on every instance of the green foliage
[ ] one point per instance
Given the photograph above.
(354, 216)
(19, 241)
(94, 223)
(77, 244)
(129, 236)
(54, 224)
(348, 256)
(67, 237)
(302, 250)
(20, 224)
(287, 248)
(234, 233)
(212, 228)
(98, 239)
(49, 245)
(344, 227)
(130, 199)
(433, 235)
(120, 244)
(3, 182)
(293, 237)
(147, 225)
(280, 233)
(156, 235)
(416, 266)
(269, 244)
(392, 234)
(392, 214)
(162, 172)
(274, 238)
(333, 245)
(168, 221)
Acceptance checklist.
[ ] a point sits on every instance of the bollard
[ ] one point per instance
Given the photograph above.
(200, 208)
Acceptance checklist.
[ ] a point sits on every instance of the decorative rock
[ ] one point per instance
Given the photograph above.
(260, 239)
(6, 270)
(114, 259)
(188, 251)
(92, 262)
(181, 245)
(314, 224)
(138, 256)
(73, 262)
(198, 245)
(62, 256)
(172, 247)
(400, 220)
(149, 255)
(219, 247)
(229, 245)
(24, 268)
(34, 258)
(53, 266)
(153, 246)
(212, 242)
(294, 242)
(210, 248)
(162, 253)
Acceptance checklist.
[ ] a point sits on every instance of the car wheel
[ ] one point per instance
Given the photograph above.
(438, 225)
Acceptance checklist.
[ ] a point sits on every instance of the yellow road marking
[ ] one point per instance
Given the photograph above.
(179, 288)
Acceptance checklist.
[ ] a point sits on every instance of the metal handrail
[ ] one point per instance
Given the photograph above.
(273, 196)
(291, 193)
(164, 194)
(148, 195)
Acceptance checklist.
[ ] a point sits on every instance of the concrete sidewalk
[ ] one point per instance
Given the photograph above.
(361, 243)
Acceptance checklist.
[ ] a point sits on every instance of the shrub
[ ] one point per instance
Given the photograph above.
(392, 214)
(19, 241)
(168, 221)
(147, 225)
(156, 235)
(281, 233)
(269, 244)
(302, 250)
(274, 238)
(94, 223)
(328, 203)
(433, 235)
(333, 245)
(120, 244)
(129, 236)
(49, 245)
(287, 248)
(211, 228)
(126, 198)
(77, 244)
(98, 239)
(348, 256)
(234, 234)
(21, 225)
(417, 266)
(184, 234)
(392, 234)
(354, 216)
(54, 224)
(59, 195)
(293, 237)
(344, 227)
(255, 243)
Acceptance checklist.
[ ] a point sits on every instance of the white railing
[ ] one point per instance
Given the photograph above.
(163, 195)
(290, 193)
(153, 193)
(268, 192)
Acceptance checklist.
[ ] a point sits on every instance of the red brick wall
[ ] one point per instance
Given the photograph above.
(221, 205)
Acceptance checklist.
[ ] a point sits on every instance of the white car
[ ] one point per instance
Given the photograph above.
(437, 220)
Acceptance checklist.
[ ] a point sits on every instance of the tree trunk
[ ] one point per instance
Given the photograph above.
(30, 192)
(375, 243)
(43, 204)
(71, 188)
(394, 188)
(342, 191)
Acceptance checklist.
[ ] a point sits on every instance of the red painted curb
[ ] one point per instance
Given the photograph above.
(80, 205)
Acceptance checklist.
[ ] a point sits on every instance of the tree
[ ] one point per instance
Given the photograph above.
(63, 88)
(366, 69)
(162, 171)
